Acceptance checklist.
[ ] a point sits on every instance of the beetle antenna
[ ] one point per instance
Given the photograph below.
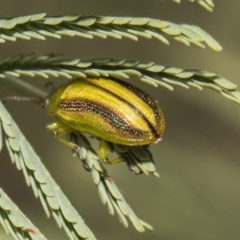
(40, 100)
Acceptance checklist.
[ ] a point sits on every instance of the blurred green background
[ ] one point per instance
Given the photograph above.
(198, 194)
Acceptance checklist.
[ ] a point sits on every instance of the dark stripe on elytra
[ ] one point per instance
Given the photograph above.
(143, 96)
(83, 105)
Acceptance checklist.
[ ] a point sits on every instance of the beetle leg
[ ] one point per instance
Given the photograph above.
(59, 130)
(116, 160)
(103, 152)
(68, 143)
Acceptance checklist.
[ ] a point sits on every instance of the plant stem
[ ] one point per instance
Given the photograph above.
(22, 87)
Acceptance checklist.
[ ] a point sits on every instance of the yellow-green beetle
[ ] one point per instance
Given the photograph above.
(108, 109)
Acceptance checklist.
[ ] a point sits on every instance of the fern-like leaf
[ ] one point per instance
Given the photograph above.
(15, 222)
(39, 27)
(107, 189)
(54, 202)
(148, 72)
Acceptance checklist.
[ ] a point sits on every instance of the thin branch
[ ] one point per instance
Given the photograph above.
(157, 75)
(15, 222)
(39, 27)
(22, 87)
(54, 202)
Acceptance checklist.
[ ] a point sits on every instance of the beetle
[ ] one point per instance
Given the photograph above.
(109, 109)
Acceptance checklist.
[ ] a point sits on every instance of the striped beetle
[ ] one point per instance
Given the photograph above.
(111, 110)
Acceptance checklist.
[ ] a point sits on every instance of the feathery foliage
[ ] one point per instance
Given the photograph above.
(39, 27)
(44, 187)
(157, 75)
(107, 189)
(15, 222)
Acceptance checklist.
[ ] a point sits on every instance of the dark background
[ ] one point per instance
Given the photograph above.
(198, 194)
